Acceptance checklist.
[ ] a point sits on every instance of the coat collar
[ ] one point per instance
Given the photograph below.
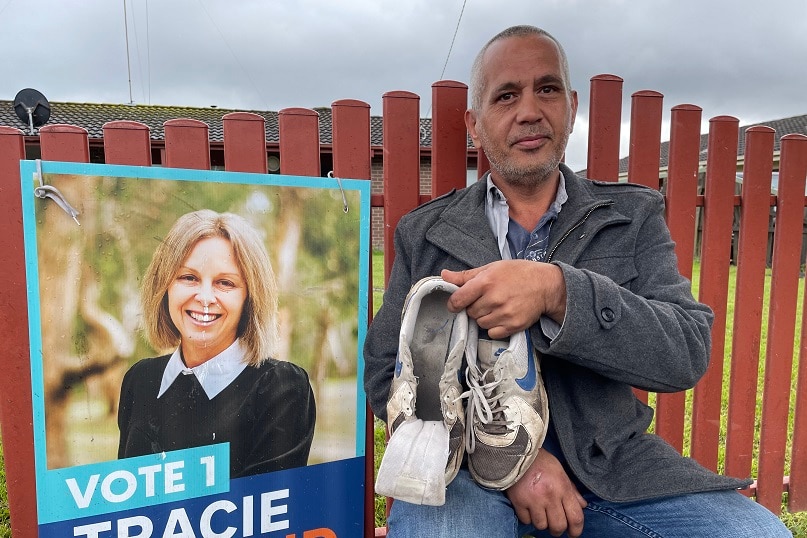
(462, 230)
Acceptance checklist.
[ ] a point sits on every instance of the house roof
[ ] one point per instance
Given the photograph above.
(791, 125)
(93, 116)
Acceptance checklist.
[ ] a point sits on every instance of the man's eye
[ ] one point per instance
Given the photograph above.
(506, 97)
(548, 89)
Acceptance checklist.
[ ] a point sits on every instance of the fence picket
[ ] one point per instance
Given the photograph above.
(449, 136)
(64, 143)
(781, 323)
(645, 143)
(797, 496)
(645, 138)
(682, 195)
(754, 213)
(299, 142)
(127, 142)
(187, 144)
(351, 159)
(244, 142)
(605, 113)
(15, 383)
(717, 220)
(351, 139)
(401, 164)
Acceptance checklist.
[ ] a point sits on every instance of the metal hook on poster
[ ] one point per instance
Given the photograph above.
(195, 352)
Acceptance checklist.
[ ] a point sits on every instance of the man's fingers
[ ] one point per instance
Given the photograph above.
(498, 333)
(523, 514)
(556, 519)
(466, 295)
(458, 278)
(574, 515)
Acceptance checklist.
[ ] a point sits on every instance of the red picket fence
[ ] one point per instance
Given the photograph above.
(187, 146)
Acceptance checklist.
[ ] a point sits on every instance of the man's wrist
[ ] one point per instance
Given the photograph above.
(556, 295)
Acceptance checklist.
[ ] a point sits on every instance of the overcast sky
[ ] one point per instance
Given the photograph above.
(744, 58)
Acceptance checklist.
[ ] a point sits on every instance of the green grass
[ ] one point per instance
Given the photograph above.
(5, 519)
(797, 523)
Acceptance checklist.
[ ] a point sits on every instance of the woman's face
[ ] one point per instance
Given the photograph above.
(206, 299)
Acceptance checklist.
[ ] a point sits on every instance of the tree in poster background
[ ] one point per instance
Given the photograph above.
(89, 277)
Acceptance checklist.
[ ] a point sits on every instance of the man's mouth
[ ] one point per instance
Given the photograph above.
(531, 140)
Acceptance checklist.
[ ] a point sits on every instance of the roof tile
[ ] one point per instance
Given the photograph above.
(93, 116)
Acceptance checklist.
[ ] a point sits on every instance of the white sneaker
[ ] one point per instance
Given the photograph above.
(426, 386)
(507, 407)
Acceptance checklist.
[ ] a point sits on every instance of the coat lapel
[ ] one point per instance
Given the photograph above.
(462, 230)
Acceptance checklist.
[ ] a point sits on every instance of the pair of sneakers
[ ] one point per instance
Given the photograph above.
(503, 424)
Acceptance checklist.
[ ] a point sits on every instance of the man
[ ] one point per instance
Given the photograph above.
(599, 293)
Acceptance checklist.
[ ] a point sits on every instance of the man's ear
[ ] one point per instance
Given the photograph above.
(470, 124)
(574, 107)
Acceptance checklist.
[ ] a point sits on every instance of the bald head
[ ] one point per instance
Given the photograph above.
(477, 78)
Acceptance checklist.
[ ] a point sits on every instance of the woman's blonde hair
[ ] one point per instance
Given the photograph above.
(257, 327)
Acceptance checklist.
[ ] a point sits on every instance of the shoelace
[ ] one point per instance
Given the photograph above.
(483, 405)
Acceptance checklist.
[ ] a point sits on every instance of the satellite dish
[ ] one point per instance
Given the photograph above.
(32, 108)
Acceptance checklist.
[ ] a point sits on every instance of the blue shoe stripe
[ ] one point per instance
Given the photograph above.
(530, 379)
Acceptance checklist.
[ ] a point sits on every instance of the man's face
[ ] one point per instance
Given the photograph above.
(527, 111)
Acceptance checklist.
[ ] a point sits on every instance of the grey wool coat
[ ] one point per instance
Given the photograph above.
(631, 321)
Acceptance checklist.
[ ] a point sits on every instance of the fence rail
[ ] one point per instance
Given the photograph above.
(187, 146)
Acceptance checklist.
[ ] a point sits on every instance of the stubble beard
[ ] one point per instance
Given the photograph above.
(528, 175)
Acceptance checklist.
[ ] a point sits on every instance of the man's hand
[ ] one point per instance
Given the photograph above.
(508, 296)
(546, 497)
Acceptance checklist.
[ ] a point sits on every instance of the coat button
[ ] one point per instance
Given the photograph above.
(607, 315)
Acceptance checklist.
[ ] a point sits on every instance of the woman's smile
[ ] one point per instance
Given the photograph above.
(203, 317)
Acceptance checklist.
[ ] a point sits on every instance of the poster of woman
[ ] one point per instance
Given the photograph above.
(196, 340)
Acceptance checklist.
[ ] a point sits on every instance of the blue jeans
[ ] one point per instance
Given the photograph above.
(473, 511)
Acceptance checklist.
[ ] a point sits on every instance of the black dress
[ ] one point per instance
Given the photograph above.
(267, 414)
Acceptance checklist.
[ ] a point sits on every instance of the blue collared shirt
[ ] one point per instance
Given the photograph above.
(510, 233)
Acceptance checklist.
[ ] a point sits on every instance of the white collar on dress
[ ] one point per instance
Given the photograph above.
(214, 374)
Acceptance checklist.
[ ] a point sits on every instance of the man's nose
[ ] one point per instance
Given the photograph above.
(530, 109)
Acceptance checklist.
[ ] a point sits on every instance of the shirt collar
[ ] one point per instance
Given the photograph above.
(498, 212)
(214, 375)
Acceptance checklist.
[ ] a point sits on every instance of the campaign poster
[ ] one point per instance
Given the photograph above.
(195, 351)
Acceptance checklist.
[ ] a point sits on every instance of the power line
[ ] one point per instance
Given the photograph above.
(450, 48)
(457, 29)
(137, 50)
(2, 9)
(148, 54)
(128, 62)
(246, 72)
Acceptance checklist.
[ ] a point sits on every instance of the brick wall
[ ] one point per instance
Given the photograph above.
(377, 177)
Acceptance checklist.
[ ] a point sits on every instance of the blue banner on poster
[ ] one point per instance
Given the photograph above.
(319, 501)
